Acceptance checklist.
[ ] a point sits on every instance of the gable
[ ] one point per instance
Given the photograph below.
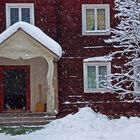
(35, 33)
(21, 44)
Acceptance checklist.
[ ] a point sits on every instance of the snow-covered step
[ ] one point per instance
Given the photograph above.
(25, 123)
(24, 114)
(14, 114)
(16, 119)
(25, 118)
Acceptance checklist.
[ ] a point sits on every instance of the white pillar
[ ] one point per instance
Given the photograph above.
(50, 91)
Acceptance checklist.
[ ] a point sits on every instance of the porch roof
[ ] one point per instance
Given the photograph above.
(34, 32)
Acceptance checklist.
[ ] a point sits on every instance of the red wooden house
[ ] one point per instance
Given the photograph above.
(32, 70)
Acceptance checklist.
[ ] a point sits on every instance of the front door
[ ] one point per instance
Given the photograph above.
(14, 88)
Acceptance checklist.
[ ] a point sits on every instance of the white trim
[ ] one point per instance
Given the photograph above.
(35, 33)
(97, 64)
(136, 87)
(107, 16)
(98, 59)
(19, 6)
(136, 63)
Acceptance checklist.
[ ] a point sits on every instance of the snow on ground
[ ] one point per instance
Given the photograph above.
(85, 125)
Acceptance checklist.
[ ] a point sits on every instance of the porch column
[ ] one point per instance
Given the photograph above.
(50, 91)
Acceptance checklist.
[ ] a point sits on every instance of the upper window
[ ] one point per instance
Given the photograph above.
(95, 19)
(96, 76)
(19, 12)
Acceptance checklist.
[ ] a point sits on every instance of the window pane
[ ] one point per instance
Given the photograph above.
(91, 76)
(101, 19)
(102, 76)
(90, 19)
(25, 14)
(14, 15)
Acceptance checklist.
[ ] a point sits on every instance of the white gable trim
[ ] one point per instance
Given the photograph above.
(34, 32)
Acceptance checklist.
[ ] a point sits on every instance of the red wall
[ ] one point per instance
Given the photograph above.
(62, 20)
(71, 63)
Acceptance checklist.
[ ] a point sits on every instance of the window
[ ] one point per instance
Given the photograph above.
(95, 19)
(136, 70)
(96, 76)
(137, 77)
(19, 12)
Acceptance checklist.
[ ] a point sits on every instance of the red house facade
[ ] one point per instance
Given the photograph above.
(80, 27)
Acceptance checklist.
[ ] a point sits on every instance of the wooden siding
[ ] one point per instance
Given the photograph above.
(62, 20)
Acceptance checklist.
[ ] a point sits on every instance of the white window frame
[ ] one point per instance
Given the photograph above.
(19, 6)
(107, 19)
(96, 64)
(136, 87)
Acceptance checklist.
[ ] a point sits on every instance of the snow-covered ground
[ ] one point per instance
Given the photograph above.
(85, 125)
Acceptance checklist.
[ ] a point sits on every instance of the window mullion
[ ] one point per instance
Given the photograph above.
(9, 17)
(20, 14)
(107, 71)
(86, 68)
(106, 21)
(95, 19)
(30, 15)
(97, 77)
(85, 16)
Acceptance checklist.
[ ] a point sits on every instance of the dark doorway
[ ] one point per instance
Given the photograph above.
(15, 87)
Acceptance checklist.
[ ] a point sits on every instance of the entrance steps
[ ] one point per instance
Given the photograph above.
(25, 119)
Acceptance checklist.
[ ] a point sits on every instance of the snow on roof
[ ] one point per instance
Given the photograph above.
(36, 33)
(98, 59)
